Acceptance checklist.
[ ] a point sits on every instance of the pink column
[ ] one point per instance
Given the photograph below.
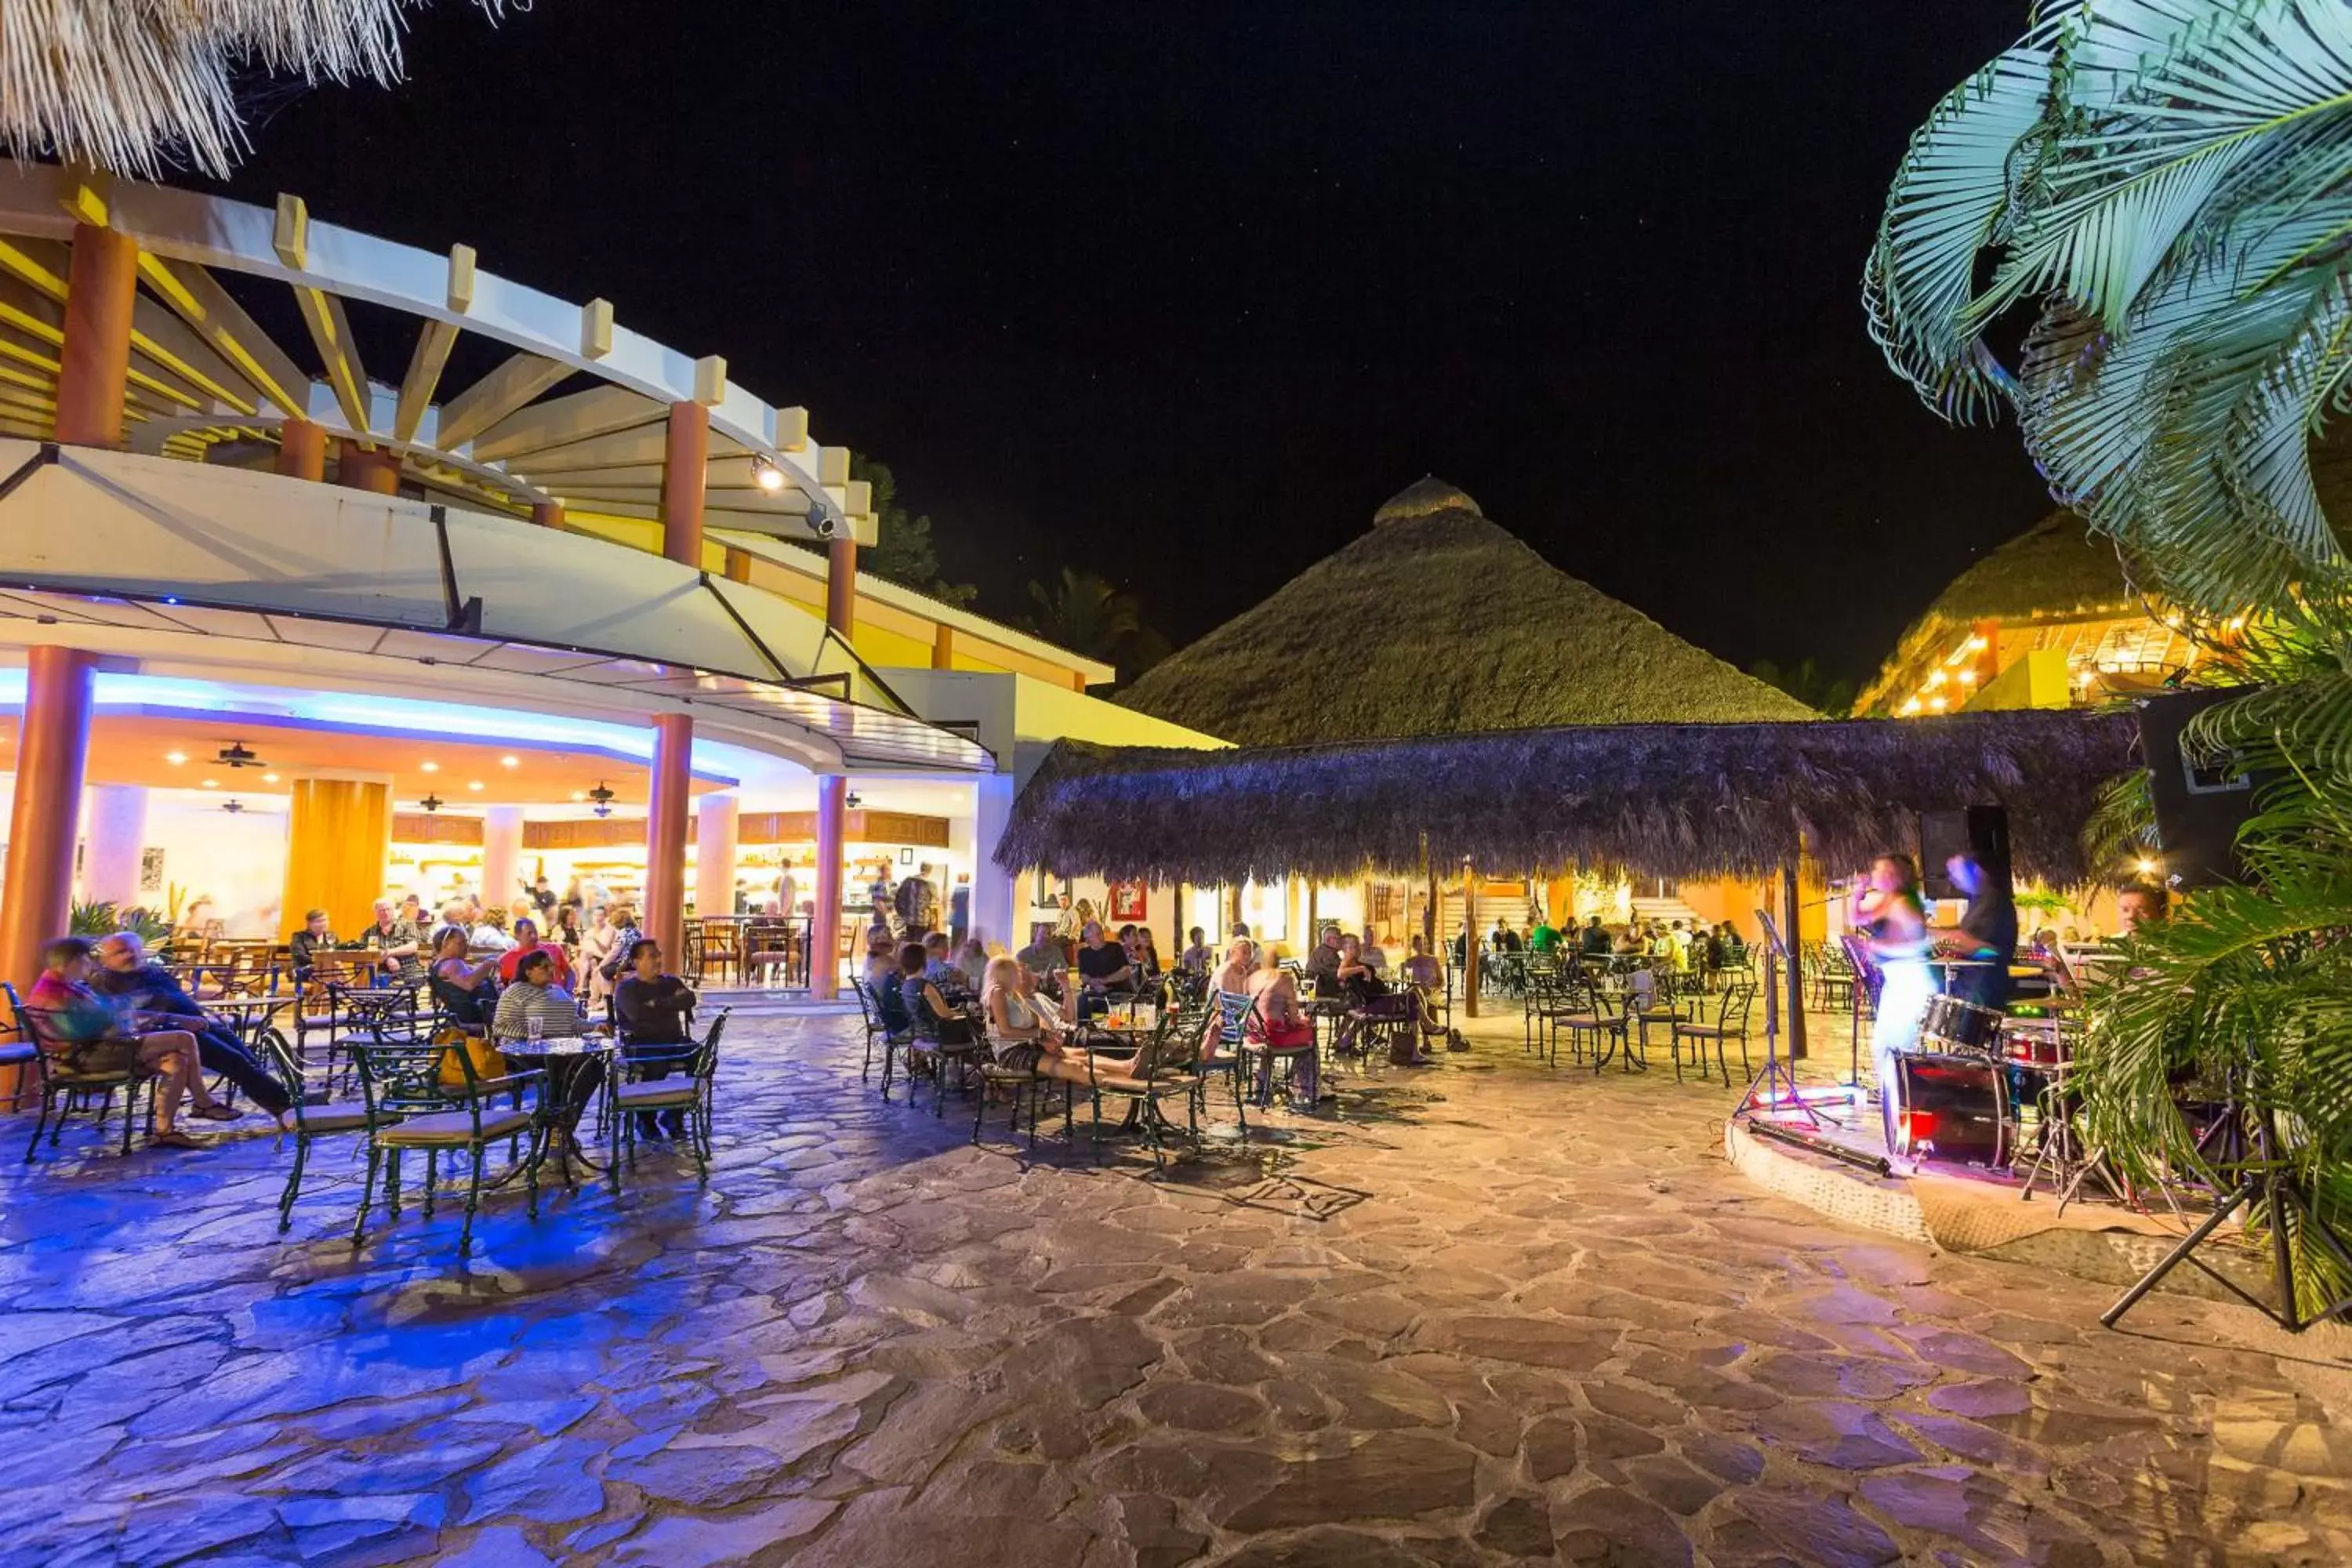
(94, 364)
(665, 835)
(686, 459)
(44, 820)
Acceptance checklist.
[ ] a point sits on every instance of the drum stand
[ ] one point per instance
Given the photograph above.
(2060, 1151)
(2274, 1198)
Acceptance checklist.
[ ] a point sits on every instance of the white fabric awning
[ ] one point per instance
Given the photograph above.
(111, 538)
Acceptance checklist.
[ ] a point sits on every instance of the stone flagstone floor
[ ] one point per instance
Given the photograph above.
(1483, 1314)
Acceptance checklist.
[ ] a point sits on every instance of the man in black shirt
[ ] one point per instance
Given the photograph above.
(1986, 934)
(652, 1008)
(1104, 968)
(313, 936)
(1594, 943)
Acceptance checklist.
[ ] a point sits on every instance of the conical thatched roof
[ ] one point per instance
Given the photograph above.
(1439, 622)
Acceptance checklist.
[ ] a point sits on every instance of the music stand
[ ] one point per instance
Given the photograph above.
(1776, 1085)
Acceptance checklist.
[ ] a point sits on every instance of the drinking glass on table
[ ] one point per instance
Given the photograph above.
(532, 1028)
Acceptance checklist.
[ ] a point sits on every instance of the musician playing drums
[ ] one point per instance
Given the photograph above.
(1887, 908)
(1986, 937)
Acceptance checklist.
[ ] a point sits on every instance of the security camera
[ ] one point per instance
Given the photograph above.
(823, 520)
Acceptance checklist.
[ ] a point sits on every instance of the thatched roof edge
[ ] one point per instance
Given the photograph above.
(1668, 800)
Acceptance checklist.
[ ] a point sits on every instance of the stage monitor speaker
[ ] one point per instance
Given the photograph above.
(2200, 802)
(1980, 832)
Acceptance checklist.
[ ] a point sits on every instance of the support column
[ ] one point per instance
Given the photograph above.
(114, 832)
(547, 514)
(1790, 907)
(833, 794)
(373, 469)
(717, 837)
(665, 835)
(502, 855)
(994, 915)
(685, 460)
(338, 852)
(736, 565)
(302, 449)
(94, 363)
(825, 924)
(50, 752)
(943, 647)
(1469, 941)
(841, 587)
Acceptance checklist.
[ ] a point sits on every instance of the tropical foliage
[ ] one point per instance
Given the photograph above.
(2154, 199)
(1086, 614)
(902, 551)
(1830, 695)
(102, 918)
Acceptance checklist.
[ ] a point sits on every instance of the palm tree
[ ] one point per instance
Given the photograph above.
(1085, 613)
(2159, 191)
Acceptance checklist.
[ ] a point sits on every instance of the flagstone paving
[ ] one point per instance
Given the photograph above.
(1479, 1315)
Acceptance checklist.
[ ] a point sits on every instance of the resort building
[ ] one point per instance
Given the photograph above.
(556, 600)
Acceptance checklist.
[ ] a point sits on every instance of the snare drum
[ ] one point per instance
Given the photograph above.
(1952, 1108)
(1962, 1028)
(2037, 1043)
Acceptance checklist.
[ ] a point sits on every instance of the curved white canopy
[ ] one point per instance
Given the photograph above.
(141, 545)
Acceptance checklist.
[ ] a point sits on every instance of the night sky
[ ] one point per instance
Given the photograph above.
(1182, 292)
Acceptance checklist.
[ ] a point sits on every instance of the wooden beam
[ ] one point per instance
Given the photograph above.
(564, 422)
(502, 392)
(331, 335)
(196, 297)
(433, 342)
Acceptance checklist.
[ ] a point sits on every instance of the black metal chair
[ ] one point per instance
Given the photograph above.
(311, 1122)
(1153, 1075)
(1731, 1013)
(64, 1090)
(407, 1107)
(1603, 1023)
(694, 1093)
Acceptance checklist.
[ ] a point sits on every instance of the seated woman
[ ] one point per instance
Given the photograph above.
(1276, 1021)
(934, 1020)
(464, 990)
(653, 1009)
(1026, 1031)
(1231, 980)
(535, 998)
(87, 1034)
(971, 961)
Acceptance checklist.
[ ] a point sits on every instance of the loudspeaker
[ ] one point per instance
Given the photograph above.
(2200, 802)
(1980, 832)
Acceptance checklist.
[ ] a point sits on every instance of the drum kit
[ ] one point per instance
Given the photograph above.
(1958, 1097)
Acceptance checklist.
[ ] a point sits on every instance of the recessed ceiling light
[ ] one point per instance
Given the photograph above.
(579, 795)
(175, 758)
(510, 761)
(431, 767)
(212, 783)
(269, 778)
(473, 784)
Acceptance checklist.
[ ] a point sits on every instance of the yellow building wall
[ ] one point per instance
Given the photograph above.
(2036, 680)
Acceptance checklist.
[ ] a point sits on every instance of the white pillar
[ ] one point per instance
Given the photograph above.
(993, 908)
(503, 857)
(114, 831)
(715, 840)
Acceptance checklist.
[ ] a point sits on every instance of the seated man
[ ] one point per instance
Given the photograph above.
(1594, 942)
(653, 1009)
(397, 944)
(88, 1034)
(1104, 967)
(152, 992)
(526, 943)
(315, 936)
(1323, 963)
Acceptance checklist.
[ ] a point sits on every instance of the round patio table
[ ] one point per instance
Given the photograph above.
(565, 1060)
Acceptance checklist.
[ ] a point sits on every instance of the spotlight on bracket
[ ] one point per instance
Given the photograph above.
(766, 474)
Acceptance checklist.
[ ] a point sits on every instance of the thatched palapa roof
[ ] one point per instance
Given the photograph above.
(1435, 622)
(131, 85)
(1666, 800)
